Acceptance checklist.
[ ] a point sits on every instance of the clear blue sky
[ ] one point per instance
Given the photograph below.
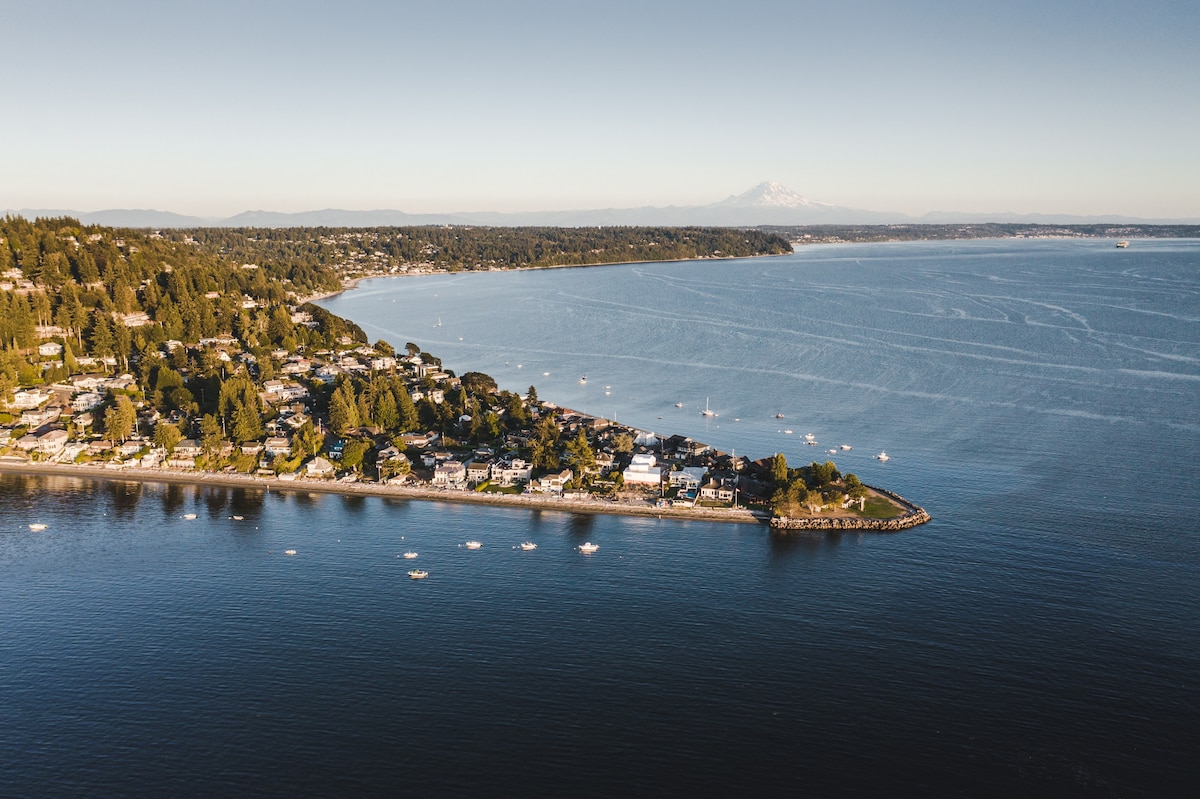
(211, 108)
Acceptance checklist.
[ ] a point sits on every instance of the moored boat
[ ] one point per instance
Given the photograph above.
(36, 527)
(588, 548)
(883, 456)
(1122, 244)
(410, 555)
(473, 544)
(528, 545)
(418, 574)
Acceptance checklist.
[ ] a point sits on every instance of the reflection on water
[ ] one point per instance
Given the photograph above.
(581, 525)
(353, 503)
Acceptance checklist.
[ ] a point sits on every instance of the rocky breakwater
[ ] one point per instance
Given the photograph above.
(911, 517)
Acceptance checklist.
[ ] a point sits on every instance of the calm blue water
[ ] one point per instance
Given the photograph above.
(1039, 637)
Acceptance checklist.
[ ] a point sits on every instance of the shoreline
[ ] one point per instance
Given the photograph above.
(914, 514)
(352, 282)
(301, 485)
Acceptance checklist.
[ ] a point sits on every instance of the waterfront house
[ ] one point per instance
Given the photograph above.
(513, 471)
(450, 474)
(53, 442)
(688, 478)
(719, 490)
(643, 470)
(319, 467)
(551, 483)
(478, 471)
(277, 445)
(188, 448)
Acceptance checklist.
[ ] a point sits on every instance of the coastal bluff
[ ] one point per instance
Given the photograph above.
(913, 515)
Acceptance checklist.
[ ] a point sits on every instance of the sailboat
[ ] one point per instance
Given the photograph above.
(707, 411)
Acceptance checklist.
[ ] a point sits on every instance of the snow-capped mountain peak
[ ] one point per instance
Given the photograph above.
(770, 195)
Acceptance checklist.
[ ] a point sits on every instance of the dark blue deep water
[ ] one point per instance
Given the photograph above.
(1040, 637)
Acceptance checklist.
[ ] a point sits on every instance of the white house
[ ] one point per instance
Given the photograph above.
(451, 474)
(86, 400)
(643, 470)
(551, 483)
(687, 478)
(508, 472)
(52, 442)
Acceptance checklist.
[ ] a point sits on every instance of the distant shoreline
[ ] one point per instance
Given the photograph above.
(352, 282)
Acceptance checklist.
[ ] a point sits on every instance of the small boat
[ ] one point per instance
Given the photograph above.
(289, 552)
(787, 432)
(809, 437)
(545, 374)
(237, 518)
(410, 555)
(588, 548)
(832, 451)
(36, 527)
(679, 405)
(189, 516)
(473, 544)
(707, 411)
(1122, 244)
(846, 447)
(883, 456)
(583, 380)
(779, 416)
(418, 574)
(528, 545)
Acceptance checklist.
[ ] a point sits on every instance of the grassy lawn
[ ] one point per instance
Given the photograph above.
(878, 508)
(495, 489)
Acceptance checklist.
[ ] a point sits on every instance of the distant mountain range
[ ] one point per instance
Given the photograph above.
(766, 204)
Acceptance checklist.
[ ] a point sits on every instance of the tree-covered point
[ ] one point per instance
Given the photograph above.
(810, 488)
(365, 250)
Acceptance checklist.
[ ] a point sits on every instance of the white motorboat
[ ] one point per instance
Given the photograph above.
(418, 574)
(809, 437)
(36, 527)
(846, 447)
(832, 451)
(189, 516)
(583, 379)
(528, 545)
(679, 405)
(588, 548)
(1122, 244)
(473, 544)
(779, 416)
(883, 456)
(787, 432)
(409, 555)
(289, 552)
